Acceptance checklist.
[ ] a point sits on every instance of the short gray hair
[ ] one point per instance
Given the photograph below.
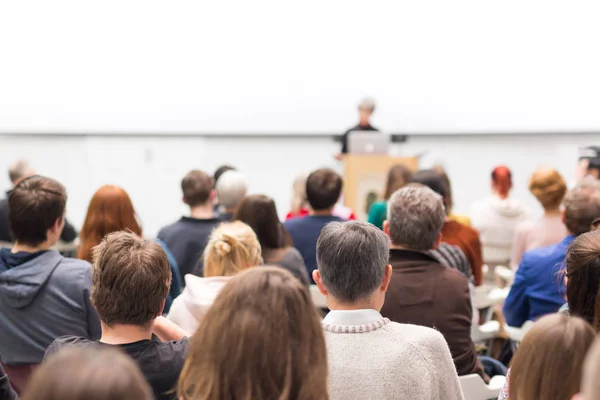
(18, 170)
(582, 205)
(367, 104)
(416, 217)
(231, 189)
(352, 257)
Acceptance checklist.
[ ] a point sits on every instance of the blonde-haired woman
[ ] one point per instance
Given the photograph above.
(549, 188)
(232, 247)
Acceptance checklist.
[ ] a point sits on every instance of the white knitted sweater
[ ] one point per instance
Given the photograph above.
(387, 360)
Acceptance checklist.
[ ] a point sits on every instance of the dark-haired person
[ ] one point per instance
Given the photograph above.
(18, 171)
(323, 189)
(260, 213)
(497, 217)
(539, 287)
(365, 109)
(129, 311)
(187, 237)
(43, 295)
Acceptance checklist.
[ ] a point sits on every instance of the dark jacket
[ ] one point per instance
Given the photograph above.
(424, 292)
(6, 392)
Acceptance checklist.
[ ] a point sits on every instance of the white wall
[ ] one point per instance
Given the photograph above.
(150, 168)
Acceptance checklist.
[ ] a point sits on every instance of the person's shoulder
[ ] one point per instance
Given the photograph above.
(67, 341)
(419, 336)
(294, 222)
(541, 253)
(75, 263)
(176, 348)
(168, 229)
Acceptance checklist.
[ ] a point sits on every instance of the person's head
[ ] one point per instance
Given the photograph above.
(88, 373)
(434, 181)
(583, 277)
(548, 187)
(549, 360)
(131, 278)
(232, 247)
(501, 181)
(231, 189)
(261, 339)
(220, 171)
(36, 215)
(353, 259)
(582, 206)
(590, 384)
(323, 189)
(448, 201)
(110, 210)
(19, 170)
(397, 177)
(415, 218)
(365, 109)
(197, 189)
(299, 193)
(260, 213)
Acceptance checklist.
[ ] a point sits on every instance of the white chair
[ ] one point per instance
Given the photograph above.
(518, 333)
(318, 299)
(484, 332)
(474, 388)
(505, 274)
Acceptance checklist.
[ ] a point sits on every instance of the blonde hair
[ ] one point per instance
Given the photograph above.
(232, 247)
(548, 186)
(299, 193)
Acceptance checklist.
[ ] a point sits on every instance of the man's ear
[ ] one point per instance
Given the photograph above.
(213, 195)
(162, 308)
(57, 226)
(386, 227)
(184, 200)
(319, 281)
(387, 276)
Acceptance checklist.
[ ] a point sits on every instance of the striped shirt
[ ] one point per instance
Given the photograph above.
(453, 257)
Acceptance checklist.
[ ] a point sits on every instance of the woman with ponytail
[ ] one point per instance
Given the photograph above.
(497, 217)
(232, 248)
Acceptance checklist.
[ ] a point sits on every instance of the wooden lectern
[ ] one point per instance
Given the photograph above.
(365, 176)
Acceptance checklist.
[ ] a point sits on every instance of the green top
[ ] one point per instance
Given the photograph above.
(378, 213)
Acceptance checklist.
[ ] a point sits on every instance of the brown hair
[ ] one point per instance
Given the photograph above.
(197, 187)
(397, 177)
(590, 384)
(231, 248)
(34, 206)
(260, 213)
(323, 189)
(548, 187)
(261, 339)
(110, 210)
(582, 205)
(549, 360)
(88, 373)
(131, 279)
(448, 201)
(583, 273)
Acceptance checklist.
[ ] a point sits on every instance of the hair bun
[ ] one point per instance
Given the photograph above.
(224, 244)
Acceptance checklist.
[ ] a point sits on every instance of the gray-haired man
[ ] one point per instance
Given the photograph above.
(369, 356)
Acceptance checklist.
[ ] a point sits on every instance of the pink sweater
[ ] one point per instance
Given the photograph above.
(529, 235)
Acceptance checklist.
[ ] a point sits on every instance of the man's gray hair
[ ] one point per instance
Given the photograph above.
(582, 205)
(231, 189)
(18, 170)
(367, 104)
(416, 217)
(352, 257)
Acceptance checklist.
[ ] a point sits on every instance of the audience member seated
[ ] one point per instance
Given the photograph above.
(131, 282)
(231, 189)
(497, 217)
(6, 392)
(187, 237)
(323, 188)
(232, 248)
(590, 384)
(397, 177)
(88, 374)
(454, 232)
(453, 257)
(449, 201)
(549, 188)
(216, 176)
(43, 295)
(423, 291)
(539, 287)
(111, 210)
(367, 353)
(549, 361)
(262, 340)
(260, 213)
(17, 172)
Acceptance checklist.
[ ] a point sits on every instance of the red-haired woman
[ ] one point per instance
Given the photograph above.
(111, 210)
(497, 217)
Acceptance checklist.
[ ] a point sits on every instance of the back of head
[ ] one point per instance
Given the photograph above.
(260, 213)
(583, 273)
(416, 217)
(299, 193)
(220, 171)
(433, 180)
(197, 187)
(367, 104)
(397, 177)
(352, 257)
(110, 210)
(590, 384)
(323, 189)
(19, 170)
(582, 205)
(232, 247)
(231, 189)
(35, 204)
(130, 281)
(446, 179)
(261, 339)
(88, 373)
(548, 363)
(502, 180)
(548, 187)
